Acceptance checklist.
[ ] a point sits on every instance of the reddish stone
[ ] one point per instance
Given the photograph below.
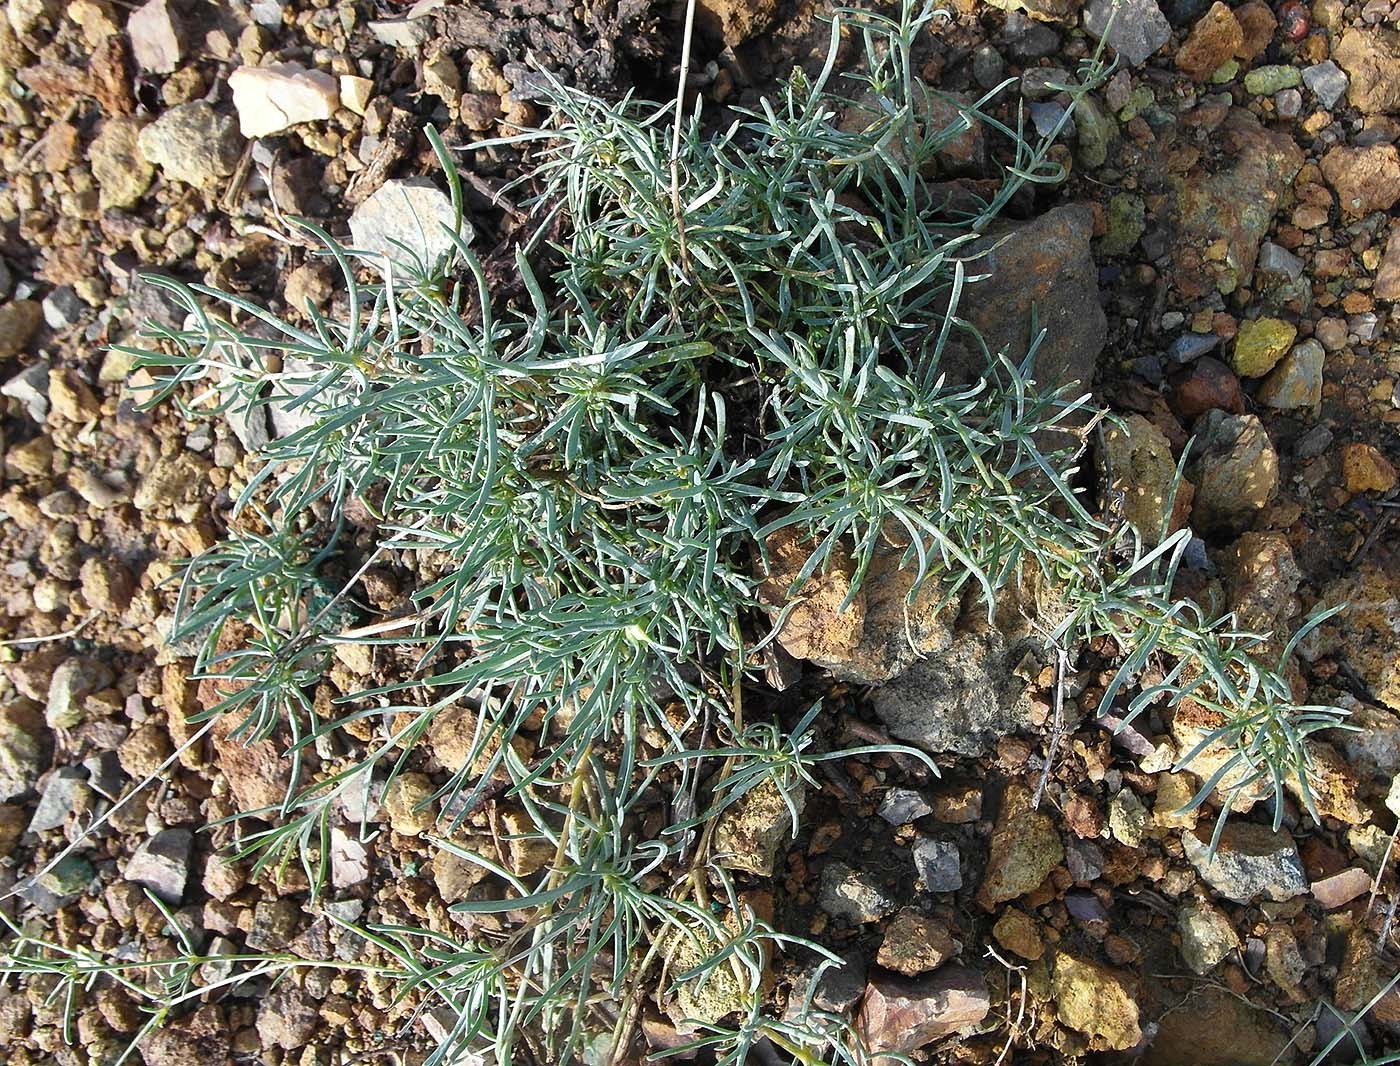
(1208, 385)
(898, 1014)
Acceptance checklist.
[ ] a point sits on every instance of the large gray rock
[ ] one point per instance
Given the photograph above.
(1250, 861)
(409, 222)
(1138, 27)
(1045, 265)
(960, 699)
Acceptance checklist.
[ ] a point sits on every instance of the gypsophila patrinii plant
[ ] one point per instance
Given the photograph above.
(587, 477)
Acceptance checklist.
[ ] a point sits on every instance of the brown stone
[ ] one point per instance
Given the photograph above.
(1365, 179)
(1025, 847)
(1208, 385)
(915, 943)
(1387, 283)
(1234, 203)
(1218, 1028)
(1216, 37)
(822, 627)
(735, 21)
(1371, 58)
(1365, 469)
(1235, 469)
(1258, 24)
(1340, 889)
(1019, 934)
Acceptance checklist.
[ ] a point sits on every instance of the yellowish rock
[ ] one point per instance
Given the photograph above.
(1260, 344)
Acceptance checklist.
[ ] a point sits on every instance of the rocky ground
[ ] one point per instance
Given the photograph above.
(1221, 264)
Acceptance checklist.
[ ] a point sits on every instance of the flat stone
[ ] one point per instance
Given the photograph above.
(1327, 81)
(162, 864)
(275, 98)
(1138, 27)
(1340, 889)
(1250, 861)
(903, 805)
(409, 222)
(902, 1015)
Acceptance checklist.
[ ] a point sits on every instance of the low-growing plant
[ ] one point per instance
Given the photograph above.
(741, 335)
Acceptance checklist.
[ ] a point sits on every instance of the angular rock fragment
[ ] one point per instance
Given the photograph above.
(275, 98)
(903, 1015)
(1097, 1001)
(1250, 861)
